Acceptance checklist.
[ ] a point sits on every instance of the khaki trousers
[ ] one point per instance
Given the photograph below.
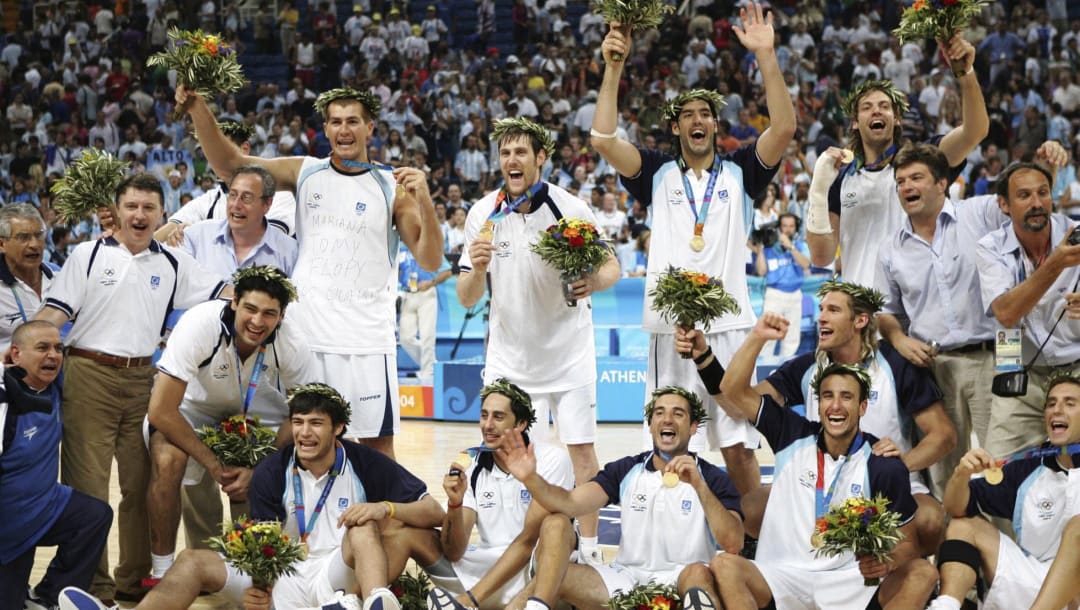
(202, 513)
(965, 381)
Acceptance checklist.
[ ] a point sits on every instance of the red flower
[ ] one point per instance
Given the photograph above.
(397, 590)
(948, 2)
(268, 551)
(577, 242)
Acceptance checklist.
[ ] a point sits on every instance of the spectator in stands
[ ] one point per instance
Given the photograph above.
(784, 264)
(471, 167)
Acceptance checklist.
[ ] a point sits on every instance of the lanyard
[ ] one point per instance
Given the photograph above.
(714, 173)
(253, 383)
(298, 493)
(500, 211)
(18, 302)
(821, 498)
(1040, 453)
(364, 165)
(882, 161)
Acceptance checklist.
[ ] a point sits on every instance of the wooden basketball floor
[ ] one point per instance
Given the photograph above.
(426, 448)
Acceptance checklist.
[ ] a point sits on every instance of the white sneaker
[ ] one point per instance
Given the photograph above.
(382, 599)
(592, 557)
(74, 598)
(341, 601)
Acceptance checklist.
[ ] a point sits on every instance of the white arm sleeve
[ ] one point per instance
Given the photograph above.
(817, 217)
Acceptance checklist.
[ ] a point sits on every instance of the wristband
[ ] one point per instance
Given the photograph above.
(389, 505)
(970, 70)
(604, 136)
(451, 506)
(711, 376)
(701, 359)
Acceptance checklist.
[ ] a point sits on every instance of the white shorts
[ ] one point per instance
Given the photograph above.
(369, 382)
(795, 588)
(669, 368)
(473, 565)
(314, 583)
(618, 577)
(1017, 578)
(574, 414)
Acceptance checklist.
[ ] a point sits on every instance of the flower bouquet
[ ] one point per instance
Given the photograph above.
(575, 248)
(651, 596)
(203, 62)
(937, 19)
(237, 441)
(411, 591)
(90, 183)
(633, 14)
(860, 525)
(688, 297)
(259, 549)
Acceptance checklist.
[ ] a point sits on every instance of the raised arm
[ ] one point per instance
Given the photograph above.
(757, 35)
(414, 215)
(521, 460)
(823, 226)
(223, 155)
(957, 490)
(459, 521)
(736, 388)
(620, 154)
(959, 142)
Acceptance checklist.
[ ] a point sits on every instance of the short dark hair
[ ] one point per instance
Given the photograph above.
(319, 397)
(141, 181)
(23, 329)
(266, 278)
(269, 185)
(1002, 184)
(927, 154)
(520, 402)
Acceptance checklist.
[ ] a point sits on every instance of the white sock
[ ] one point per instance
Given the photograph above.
(946, 602)
(536, 604)
(160, 564)
(588, 543)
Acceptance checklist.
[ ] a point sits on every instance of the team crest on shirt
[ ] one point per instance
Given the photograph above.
(856, 489)
(155, 282)
(526, 497)
(487, 500)
(686, 506)
(676, 196)
(361, 207)
(108, 277)
(808, 478)
(313, 203)
(29, 433)
(851, 199)
(503, 249)
(343, 503)
(639, 503)
(222, 371)
(1045, 508)
(13, 318)
(723, 195)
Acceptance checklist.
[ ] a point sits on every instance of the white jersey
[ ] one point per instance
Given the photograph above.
(212, 205)
(871, 215)
(346, 271)
(660, 185)
(200, 353)
(18, 301)
(534, 339)
(501, 501)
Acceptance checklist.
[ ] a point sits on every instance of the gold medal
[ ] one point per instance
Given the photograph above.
(671, 479)
(847, 155)
(303, 551)
(464, 460)
(487, 233)
(817, 540)
(993, 475)
(697, 243)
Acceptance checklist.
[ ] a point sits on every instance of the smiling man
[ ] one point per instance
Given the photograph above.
(39, 511)
(354, 510)
(677, 511)
(121, 289)
(1029, 273)
(350, 216)
(701, 204)
(22, 267)
(832, 451)
(198, 384)
(1035, 490)
(535, 340)
(243, 238)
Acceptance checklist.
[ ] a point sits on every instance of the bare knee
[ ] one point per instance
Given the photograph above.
(202, 566)
(728, 567)
(695, 574)
(167, 461)
(555, 527)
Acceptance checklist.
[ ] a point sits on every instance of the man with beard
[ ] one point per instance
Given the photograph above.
(855, 206)
(701, 206)
(535, 339)
(351, 215)
(1029, 272)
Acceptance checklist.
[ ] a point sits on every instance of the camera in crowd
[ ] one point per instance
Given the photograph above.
(767, 234)
(1074, 237)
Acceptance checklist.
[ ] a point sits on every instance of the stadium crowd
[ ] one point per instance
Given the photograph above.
(953, 143)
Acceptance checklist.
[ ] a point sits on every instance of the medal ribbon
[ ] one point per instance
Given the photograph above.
(821, 498)
(714, 173)
(1040, 452)
(364, 165)
(882, 161)
(501, 211)
(253, 382)
(298, 493)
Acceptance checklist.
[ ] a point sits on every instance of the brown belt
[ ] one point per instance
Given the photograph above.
(119, 362)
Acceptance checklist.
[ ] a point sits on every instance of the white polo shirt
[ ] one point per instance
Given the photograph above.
(12, 317)
(500, 501)
(201, 353)
(534, 338)
(122, 300)
(212, 205)
(1003, 265)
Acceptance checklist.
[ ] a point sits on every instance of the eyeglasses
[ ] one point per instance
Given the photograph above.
(24, 238)
(245, 197)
